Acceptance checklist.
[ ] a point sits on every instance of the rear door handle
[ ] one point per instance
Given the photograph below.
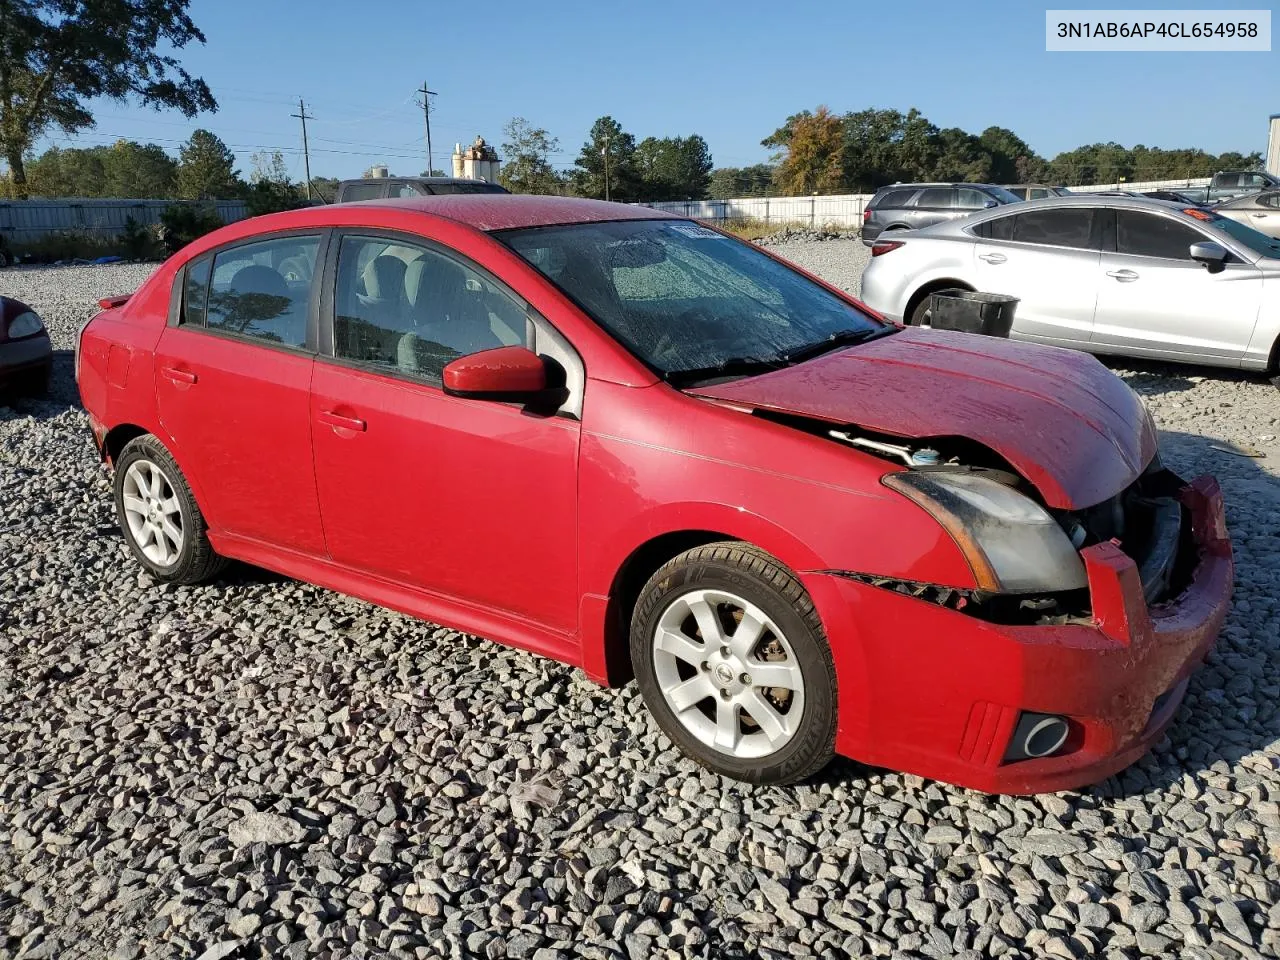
(339, 422)
(993, 257)
(178, 376)
(1124, 276)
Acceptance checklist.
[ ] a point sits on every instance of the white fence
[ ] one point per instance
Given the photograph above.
(843, 210)
(22, 221)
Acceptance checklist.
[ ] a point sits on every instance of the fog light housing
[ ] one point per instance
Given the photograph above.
(1037, 735)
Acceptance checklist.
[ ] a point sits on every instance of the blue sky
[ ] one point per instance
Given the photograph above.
(729, 71)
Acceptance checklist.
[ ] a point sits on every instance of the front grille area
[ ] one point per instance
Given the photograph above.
(1150, 524)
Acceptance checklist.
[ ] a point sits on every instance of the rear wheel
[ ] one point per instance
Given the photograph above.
(732, 660)
(159, 517)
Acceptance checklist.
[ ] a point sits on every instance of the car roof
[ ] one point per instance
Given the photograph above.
(939, 183)
(480, 211)
(399, 179)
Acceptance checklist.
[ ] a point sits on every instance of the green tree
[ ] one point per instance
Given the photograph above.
(270, 189)
(57, 55)
(207, 169)
(673, 168)
(140, 171)
(753, 181)
(67, 173)
(589, 176)
(526, 167)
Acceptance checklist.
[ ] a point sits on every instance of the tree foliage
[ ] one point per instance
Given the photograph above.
(814, 161)
(207, 169)
(887, 146)
(753, 181)
(673, 168)
(589, 175)
(526, 163)
(56, 55)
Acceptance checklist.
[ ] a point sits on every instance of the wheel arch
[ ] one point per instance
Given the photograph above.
(119, 436)
(933, 286)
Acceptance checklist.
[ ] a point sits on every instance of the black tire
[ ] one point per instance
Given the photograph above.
(920, 315)
(196, 561)
(754, 575)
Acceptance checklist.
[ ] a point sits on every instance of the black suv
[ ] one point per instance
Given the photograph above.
(903, 206)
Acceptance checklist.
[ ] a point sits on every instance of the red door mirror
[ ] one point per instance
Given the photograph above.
(503, 373)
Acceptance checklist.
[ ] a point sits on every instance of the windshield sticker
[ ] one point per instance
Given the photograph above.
(696, 231)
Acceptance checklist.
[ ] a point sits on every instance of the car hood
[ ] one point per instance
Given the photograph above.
(1061, 419)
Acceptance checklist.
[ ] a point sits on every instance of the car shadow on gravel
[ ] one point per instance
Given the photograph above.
(1159, 377)
(63, 393)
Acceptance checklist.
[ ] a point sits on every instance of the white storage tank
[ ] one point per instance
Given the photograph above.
(479, 161)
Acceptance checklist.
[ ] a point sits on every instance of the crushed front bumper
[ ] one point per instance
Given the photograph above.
(936, 692)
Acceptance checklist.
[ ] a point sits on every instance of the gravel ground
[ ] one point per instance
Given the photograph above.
(259, 767)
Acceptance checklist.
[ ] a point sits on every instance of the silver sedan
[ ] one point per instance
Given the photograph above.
(1111, 275)
(1258, 210)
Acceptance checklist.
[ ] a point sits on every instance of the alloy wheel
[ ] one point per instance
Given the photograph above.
(153, 513)
(728, 673)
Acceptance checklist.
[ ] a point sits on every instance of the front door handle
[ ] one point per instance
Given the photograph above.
(339, 422)
(1124, 276)
(993, 257)
(178, 376)
(1257, 216)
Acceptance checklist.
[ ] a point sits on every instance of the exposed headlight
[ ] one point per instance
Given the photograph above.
(1012, 544)
(24, 325)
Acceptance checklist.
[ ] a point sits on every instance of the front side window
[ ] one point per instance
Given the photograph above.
(936, 198)
(262, 290)
(1146, 235)
(409, 308)
(1069, 227)
(408, 190)
(685, 299)
(968, 198)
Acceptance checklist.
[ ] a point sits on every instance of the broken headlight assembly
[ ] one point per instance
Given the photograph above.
(1013, 545)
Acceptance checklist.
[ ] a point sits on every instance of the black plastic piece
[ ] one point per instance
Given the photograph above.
(968, 311)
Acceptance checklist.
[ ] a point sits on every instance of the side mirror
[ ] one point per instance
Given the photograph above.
(503, 373)
(1212, 255)
(989, 204)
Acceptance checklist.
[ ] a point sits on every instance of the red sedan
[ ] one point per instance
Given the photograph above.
(643, 447)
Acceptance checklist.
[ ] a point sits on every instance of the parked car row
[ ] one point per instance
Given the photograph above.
(1104, 274)
(644, 447)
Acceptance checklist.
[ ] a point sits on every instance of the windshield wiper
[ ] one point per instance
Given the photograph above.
(841, 338)
(729, 367)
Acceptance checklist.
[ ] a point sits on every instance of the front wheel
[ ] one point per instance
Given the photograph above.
(733, 663)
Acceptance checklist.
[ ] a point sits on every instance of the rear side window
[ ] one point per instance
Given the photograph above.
(195, 292)
(1145, 235)
(262, 290)
(936, 198)
(1270, 199)
(1054, 228)
(999, 229)
(893, 198)
(407, 190)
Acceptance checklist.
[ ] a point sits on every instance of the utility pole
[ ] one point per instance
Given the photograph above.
(426, 118)
(306, 153)
(605, 151)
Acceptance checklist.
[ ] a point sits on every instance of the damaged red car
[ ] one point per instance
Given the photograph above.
(640, 446)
